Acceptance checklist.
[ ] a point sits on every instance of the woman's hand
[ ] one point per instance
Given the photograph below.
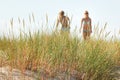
(90, 31)
(80, 29)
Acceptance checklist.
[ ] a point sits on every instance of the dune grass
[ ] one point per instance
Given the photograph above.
(55, 52)
(60, 52)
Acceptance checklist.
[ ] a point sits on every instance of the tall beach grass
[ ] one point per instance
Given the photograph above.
(57, 52)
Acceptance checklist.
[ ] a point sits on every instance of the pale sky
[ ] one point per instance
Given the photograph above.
(100, 11)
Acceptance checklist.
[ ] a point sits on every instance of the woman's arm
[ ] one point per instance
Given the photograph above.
(81, 24)
(68, 21)
(57, 23)
(91, 25)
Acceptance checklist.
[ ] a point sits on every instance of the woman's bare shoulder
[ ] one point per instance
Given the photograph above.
(67, 17)
(83, 19)
(89, 18)
(58, 18)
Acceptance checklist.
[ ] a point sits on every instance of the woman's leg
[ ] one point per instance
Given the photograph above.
(84, 35)
(88, 34)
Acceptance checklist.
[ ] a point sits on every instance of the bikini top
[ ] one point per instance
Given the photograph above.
(86, 22)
